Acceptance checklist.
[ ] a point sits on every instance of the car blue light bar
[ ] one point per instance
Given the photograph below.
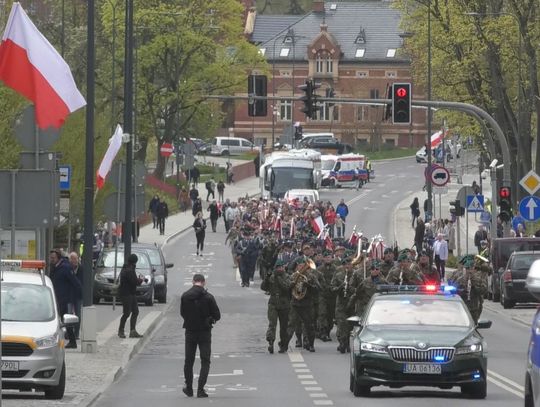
(426, 288)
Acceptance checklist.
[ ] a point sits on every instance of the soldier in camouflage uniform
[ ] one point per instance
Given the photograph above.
(277, 283)
(471, 286)
(341, 286)
(232, 238)
(367, 287)
(268, 256)
(429, 274)
(388, 261)
(404, 274)
(327, 298)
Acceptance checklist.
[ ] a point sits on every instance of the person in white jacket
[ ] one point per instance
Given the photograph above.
(440, 254)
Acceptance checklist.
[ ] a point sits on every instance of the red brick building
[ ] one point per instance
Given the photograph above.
(356, 48)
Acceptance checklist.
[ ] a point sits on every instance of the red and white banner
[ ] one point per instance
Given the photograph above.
(317, 224)
(31, 66)
(438, 137)
(376, 249)
(115, 143)
(353, 240)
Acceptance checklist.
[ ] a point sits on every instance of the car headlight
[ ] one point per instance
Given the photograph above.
(47, 342)
(371, 347)
(474, 348)
(159, 279)
(100, 277)
(148, 279)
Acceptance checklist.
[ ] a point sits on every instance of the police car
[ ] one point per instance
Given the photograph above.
(32, 331)
(532, 376)
(418, 336)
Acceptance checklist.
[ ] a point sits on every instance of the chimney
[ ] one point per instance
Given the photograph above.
(318, 6)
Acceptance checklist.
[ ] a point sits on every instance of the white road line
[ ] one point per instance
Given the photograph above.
(318, 395)
(302, 370)
(305, 376)
(505, 387)
(323, 402)
(306, 382)
(296, 357)
(313, 388)
(506, 380)
(299, 365)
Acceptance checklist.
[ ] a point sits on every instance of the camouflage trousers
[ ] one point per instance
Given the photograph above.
(276, 314)
(327, 311)
(299, 316)
(344, 328)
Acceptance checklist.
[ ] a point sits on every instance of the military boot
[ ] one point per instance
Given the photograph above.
(270, 347)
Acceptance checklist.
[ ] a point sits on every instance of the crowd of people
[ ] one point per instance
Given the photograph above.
(315, 281)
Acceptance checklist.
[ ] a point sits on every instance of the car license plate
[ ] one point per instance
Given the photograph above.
(422, 368)
(10, 366)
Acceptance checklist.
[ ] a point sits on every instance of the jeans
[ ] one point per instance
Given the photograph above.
(200, 241)
(161, 224)
(213, 222)
(220, 196)
(129, 307)
(210, 192)
(202, 339)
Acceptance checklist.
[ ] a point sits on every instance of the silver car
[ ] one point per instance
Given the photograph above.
(32, 333)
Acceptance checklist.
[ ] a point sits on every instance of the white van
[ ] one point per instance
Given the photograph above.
(231, 146)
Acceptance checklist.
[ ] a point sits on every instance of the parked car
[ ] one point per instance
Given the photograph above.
(501, 249)
(202, 146)
(105, 285)
(33, 355)
(159, 265)
(421, 156)
(513, 288)
(231, 146)
(532, 374)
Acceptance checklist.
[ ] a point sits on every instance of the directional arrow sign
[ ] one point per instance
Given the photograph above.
(529, 208)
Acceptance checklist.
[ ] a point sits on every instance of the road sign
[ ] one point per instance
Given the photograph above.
(428, 171)
(530, 182)
(189, 148)
(440, 190)
(64, 202)
(475, 203)
(440, 176)
(529, 208)
(166, 149)
(65, 177)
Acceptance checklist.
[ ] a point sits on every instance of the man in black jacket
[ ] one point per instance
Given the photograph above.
(127, 291)
(200, 311)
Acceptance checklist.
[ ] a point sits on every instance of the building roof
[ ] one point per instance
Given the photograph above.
(375, 20)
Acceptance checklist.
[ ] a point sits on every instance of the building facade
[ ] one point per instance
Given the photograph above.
(354, 48)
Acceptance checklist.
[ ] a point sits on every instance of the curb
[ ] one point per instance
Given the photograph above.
(393, 159)
(513, 318)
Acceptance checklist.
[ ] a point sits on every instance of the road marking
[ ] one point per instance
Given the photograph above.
(305, 376)
(234, 373)
(313, 388)
(363, 194)
(505, 387)
(299, 365)
(323, 402)
(295, 357)
(318, 395)
(305, 382)
(315, 393)
(301, 370)
(506, 380)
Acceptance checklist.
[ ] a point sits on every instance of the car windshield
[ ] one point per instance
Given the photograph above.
(418, 311)
(291, 178)
(328, 164)
(155, 258)
(524, 261)
(27, 303)
(107, 260)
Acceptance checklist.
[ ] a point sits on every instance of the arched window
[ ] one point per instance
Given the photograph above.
(319, 63)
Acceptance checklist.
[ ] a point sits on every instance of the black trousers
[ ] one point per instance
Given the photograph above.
(200, 241)
(64, 309)
(210, 192)
(129, 307)
(213, 222)
(161, 224)
(202, 339)
(440, 264)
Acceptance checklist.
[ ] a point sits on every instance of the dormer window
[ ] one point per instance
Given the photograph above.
(287, 40)
(284, 52)
(360, 37)
(360, 52)
(391, 53)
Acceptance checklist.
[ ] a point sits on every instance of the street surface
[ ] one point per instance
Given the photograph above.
(244, 374)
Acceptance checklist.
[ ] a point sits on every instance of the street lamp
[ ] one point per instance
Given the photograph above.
(429, 118)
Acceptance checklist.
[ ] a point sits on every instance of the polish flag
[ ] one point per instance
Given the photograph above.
(438, 137)
(317, 224)
(328, 242)
(353, 240)
(293, 228)
(31, 66)
(115, 142)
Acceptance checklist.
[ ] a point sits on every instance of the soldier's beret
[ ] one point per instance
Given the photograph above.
(467, 260)
(326, 252)
(375, 264)
(339, 248)
(403, 256)
(280, 263)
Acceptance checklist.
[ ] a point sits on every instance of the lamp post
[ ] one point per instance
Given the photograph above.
(429, 187)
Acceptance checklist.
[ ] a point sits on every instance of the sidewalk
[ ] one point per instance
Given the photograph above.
(88, 375)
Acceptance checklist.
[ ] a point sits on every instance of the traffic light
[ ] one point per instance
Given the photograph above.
(401, 103)
(505, 204)
(310, 98)
(456, 209)
(257, 86)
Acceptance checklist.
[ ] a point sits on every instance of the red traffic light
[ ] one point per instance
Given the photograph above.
(401, 92)
(504, 192)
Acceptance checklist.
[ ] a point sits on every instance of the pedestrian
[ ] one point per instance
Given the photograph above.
(76, 306)
(440, 253)
(196, 174)
(451, 237)
(97, 247)
(162, 214)
(226, 205)
(220, 190)
(480, 235)
(330, 219)
(127, 291)
(419, 232)
(197, 207)
(66, 288)
(152, 208)
(210, 189)
(343, 211)
(231, 214)
(368, 168)
(340, 226)
(200, 312)
(230, 173)
(183, 200)
(415, 210)
(193, 194)
(200, 227)
(215, 213)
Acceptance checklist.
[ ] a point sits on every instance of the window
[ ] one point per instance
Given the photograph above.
(361, 113)
(374, 94)
(390, 74)
(329, 65)
(326, 112)
(246, 143)
(285, 110)
(391, 53)
(284, 52)
(285, 73)
(319, 64)
(360, 53)
(27, 302)
(361, 37)
(362, 74)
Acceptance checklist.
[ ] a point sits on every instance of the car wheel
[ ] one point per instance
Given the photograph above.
(476, 390)
(529, 396)
(351, 382)
(162, 299)
(150, 301)
(57, 392)
(494, 295)
(357, 389)
(505, 301)
(225, 152)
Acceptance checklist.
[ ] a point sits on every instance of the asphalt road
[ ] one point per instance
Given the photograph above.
(244, 374)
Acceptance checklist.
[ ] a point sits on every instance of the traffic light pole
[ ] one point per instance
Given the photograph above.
(494, 192)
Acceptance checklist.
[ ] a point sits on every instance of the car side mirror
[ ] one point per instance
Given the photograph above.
(483, 324)
(169, 265)
(153, 271)
(70, 320)
(355, 320)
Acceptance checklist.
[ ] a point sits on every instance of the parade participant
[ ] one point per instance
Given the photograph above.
(214, 214)
(341, 286)
(232, 239)
(327, 298)
(367, 288)
(199, 224)
(429, 273)
(471, 286)
(303, 286)
(277, 283)
(268, 255)
(247, 252)
(403, 274)
(388, 261)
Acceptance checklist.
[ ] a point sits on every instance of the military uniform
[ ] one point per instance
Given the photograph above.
(404, 274)
(341, 286)
(268, 256)
(471, 285)
(277, 283)
(365, 291)
(327, 301)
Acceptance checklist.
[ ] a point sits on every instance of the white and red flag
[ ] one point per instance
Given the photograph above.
(31, 66)
(115, 143)
(293, 228)
(317, 224)
(353, 240)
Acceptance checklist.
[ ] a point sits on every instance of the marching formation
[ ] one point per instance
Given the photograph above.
(315, 282)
